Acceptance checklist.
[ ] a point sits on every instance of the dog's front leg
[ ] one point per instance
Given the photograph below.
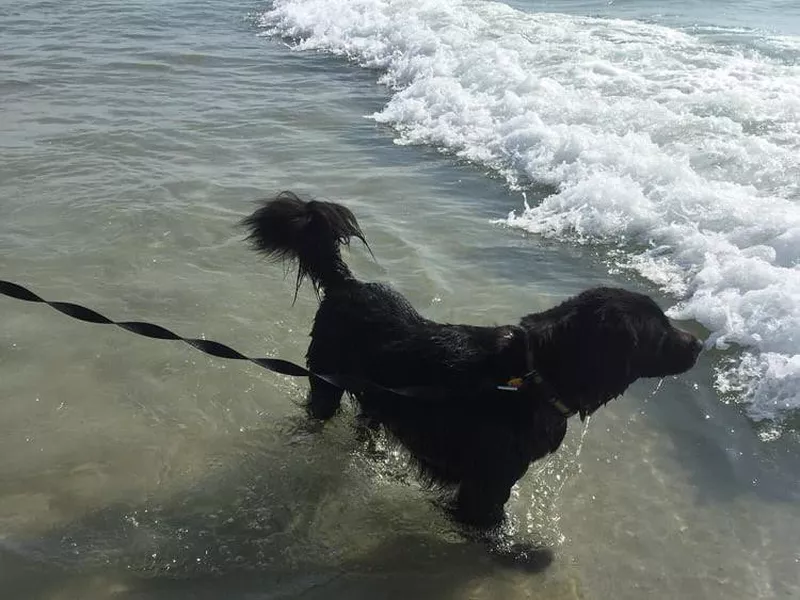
(480, 503)
(323, 399)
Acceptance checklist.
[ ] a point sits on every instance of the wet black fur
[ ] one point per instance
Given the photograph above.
(477, 440)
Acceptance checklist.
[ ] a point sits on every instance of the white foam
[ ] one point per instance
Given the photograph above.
(683, 152)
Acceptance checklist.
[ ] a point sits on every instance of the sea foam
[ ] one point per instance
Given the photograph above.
(678, 150)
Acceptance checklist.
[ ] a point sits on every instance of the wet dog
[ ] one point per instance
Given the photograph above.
(484, 402)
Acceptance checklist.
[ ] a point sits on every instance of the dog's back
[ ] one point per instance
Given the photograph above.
(370, 330)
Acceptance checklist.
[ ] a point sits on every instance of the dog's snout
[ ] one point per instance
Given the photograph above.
(692, 341)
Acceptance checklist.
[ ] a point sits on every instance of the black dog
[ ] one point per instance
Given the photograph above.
(492, 399)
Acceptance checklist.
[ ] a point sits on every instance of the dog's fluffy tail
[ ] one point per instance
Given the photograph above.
(311, 232)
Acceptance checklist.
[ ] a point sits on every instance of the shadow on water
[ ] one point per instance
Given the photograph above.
(286, 514)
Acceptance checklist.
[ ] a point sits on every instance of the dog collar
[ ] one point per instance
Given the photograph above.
(515, 383)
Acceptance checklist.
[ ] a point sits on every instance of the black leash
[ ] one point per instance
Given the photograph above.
(277, 365)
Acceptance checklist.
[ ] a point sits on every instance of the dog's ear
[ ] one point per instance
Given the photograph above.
(614, 362)
(625, 346)
(632, 334)
(621, 328)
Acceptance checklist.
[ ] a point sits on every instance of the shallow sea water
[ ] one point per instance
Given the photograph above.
(133, 137)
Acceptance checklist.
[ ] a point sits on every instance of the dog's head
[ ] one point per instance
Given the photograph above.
(593, 346)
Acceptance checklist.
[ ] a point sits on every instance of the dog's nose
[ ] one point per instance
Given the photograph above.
(694, 343)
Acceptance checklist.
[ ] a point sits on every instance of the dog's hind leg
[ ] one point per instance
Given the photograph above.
(367, 431)
(323, 399)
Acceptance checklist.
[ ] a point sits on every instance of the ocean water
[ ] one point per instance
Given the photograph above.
(676, 147)
(500, 157)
